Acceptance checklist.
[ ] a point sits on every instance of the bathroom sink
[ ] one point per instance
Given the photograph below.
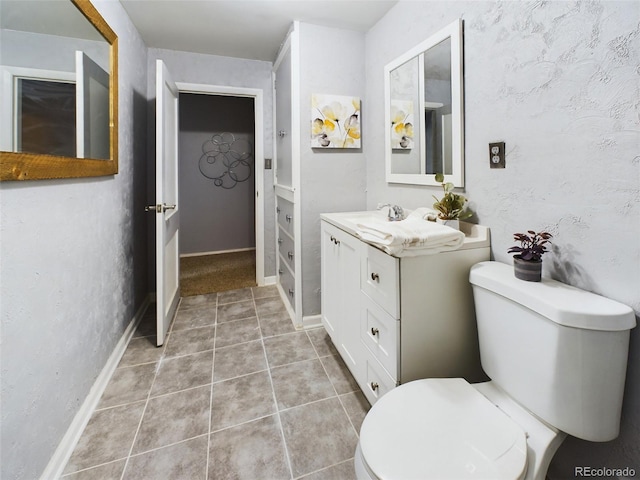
(354, 218)
(348, 221)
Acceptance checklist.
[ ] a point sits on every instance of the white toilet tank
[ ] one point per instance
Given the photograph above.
(559, 351)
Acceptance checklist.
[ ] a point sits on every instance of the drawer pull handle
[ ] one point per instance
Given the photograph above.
(288, 218)
(279, 241)
(336, 241)
(374, 331)
(280, 271)
(291, 292)
(290, 255)
(332, 238)
(375, 277)
(374, 386)
(277, 209)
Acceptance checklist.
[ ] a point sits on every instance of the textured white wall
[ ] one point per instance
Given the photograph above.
(49, 52)
(331, 62)
(233, 72)
(73, 273)
(559, 83)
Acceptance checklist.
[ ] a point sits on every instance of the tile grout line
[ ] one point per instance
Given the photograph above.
(92, 467)
(155, 377)
(213, 361)
(335, 390)
(144, 410)
(273, 393)
(323, 469)
(155, 449)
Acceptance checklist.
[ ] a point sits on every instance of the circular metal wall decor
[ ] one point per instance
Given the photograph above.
(225, 160)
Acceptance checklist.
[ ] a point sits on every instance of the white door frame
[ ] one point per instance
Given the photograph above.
(257, 96)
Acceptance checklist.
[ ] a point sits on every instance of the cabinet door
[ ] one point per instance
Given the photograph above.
(330, 302)
(341, 293)
(349, 283)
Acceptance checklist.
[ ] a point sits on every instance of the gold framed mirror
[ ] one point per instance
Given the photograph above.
(95, 145)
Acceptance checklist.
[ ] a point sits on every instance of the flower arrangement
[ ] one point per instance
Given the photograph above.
(452, 205)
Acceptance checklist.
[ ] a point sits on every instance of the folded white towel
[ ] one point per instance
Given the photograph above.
(411, 235)
(425, 213)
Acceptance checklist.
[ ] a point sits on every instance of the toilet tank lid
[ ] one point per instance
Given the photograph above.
(559, 302)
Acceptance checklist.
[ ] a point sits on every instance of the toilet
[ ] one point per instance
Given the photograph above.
(556, 356)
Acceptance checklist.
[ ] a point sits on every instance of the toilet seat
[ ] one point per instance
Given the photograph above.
(441, 429)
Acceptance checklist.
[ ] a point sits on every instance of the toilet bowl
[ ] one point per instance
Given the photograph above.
(450, 429)
(544, 346)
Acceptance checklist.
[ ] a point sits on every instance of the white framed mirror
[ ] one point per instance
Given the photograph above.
(424, 111)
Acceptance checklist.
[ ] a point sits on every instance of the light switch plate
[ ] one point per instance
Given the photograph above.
(496, 155)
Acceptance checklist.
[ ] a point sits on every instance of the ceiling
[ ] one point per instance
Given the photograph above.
(252, 29)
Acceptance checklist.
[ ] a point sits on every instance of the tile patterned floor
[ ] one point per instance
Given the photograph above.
(235, 393)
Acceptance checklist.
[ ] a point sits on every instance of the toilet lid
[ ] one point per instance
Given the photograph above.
(444, 429)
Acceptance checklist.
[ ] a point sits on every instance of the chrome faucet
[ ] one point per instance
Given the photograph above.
(395, 213)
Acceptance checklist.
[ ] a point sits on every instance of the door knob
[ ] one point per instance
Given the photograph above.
(159, 208)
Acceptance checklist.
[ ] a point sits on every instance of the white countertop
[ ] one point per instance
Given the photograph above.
(476, 236)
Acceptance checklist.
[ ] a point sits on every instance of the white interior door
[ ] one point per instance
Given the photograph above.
(92, 109)
(167, 211)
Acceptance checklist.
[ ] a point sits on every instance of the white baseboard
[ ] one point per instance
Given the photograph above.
(311, 321)
(269, 281)
(217, 252)
(61, 456)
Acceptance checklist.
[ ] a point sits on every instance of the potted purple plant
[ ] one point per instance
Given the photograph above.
(527, 264)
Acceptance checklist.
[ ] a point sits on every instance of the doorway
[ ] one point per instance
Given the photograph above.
(220, 178)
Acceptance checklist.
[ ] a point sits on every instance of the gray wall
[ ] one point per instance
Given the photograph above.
(330, 180)
(558, 82)
(73, 274)
(213, 218)
(216, 70)
(48, 52)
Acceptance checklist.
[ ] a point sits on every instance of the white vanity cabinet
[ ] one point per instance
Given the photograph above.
(394, 320)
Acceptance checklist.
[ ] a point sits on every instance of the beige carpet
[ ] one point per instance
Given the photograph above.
(217, 273)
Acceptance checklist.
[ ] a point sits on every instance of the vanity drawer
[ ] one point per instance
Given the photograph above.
(379, 279)
(288, 283)
(380, 333)
(284, 215)
(286, 247)
(377, 381)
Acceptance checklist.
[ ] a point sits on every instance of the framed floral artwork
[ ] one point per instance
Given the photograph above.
(402, 124)
(335, 121)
